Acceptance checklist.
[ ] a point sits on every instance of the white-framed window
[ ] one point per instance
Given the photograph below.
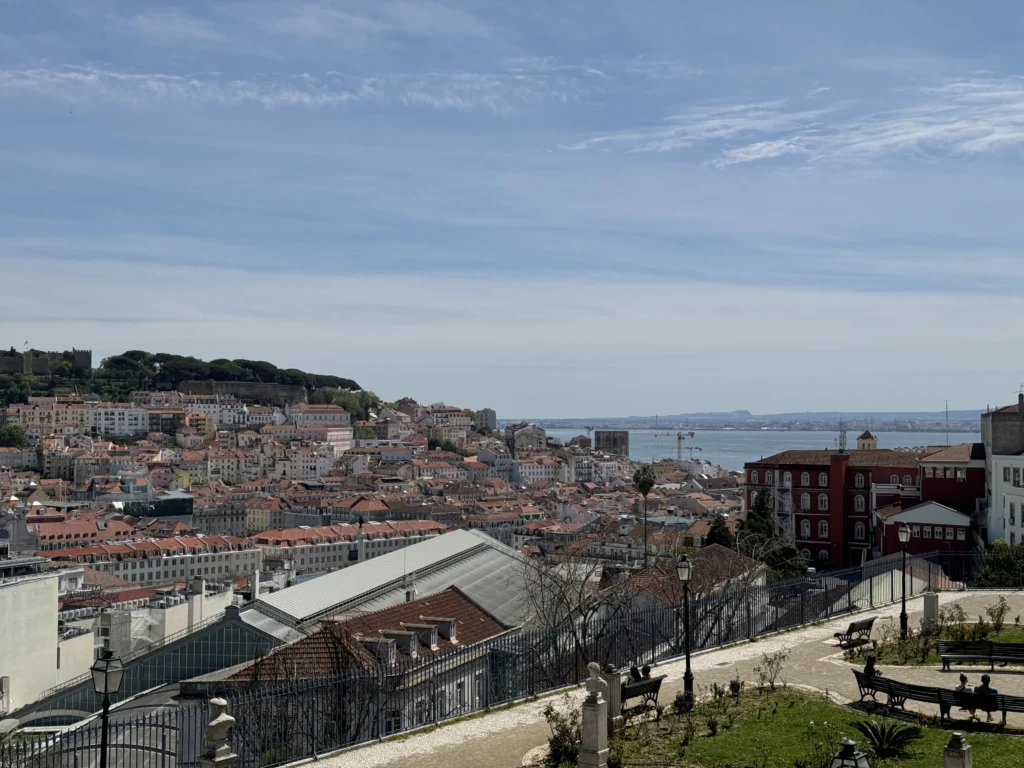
(915, 531)
(805, 479)
(949, 534)
(1013, 513)
(858, 480)
(753, 476)
(908, 480)
(823, 554)
(858, 503)
(929, 471)
(788, 478)
(894, 479)
(927, 531)
(806, 553)
(768, 477)
(961, 534)
(753, 498)
(858, 531)
(805, 529)
(822, 501)
(961, 475)
(805, 501)
(1006, 474)
(823, 479)
(823, 529)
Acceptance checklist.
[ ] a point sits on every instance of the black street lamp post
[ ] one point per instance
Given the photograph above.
(904, 534)
(107, 673)
(683, 570)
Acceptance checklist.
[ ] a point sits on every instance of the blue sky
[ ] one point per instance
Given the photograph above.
(552, 209)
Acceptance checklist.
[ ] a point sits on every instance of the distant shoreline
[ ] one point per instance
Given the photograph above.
(694, 428)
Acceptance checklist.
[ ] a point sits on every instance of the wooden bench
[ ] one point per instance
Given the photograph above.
(979, 650)
(857, 631)
(645, 690)
(900, 693)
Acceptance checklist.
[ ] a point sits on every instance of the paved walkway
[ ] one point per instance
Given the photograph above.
(501, 739)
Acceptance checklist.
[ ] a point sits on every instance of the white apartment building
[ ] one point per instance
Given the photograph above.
(262, 415)
(224, 409)
(327, 548)
(439, 413)
(528, 471)
(1006, 509)
(159, 561)
(119, 420)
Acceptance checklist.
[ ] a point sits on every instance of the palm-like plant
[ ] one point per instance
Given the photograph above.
(887, 738)
(643, 481)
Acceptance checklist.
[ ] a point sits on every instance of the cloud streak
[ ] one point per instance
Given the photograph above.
(495, 91)
(956, 118)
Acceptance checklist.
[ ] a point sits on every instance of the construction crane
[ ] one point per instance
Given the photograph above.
(691, 449)
(679, 447)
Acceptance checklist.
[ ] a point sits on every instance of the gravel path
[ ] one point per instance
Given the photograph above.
(501, 739)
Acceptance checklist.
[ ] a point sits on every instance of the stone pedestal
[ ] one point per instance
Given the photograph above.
(613, 680)
(957, 753)
(594, 736)
(931, 609)
(217, 752)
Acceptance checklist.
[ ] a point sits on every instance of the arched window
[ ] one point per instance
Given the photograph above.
(858, 480)
(805, 501)
(823, 479)
(768, 477)
(753, 475)
(788, 478)
(822, 501)
(858, 531)
(753, 499)
(806, 553)
(908, 480)
(823, 529)
(894, 479)
(858, 503)
(805, 529)
(823, 554)
(805, 479)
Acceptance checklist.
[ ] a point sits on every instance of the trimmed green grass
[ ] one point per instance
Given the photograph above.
(771, 731)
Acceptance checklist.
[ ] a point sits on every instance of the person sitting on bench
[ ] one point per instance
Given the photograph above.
(965, 688)
(634, 675)
(871, 669)
(647, 671)
(988, 690)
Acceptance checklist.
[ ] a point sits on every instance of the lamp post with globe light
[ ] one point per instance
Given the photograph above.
(904, 534)
(683, 571)
(107, 673)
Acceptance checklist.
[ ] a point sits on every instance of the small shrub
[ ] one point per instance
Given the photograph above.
(889, 738)
(770, 669)
(997, 613)
(680, 704)
(712, 723)
(954, 619)
(566, 732)
(981, 630)
(735, 687)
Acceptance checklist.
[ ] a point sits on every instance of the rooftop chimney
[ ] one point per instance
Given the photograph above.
(1020, 402)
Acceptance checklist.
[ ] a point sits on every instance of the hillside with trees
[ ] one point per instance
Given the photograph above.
(118, 375)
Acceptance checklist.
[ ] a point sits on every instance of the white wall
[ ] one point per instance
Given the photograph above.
(1003, 494)
(28, 636)
(76, 656)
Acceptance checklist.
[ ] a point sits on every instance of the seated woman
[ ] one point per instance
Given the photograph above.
(871, 669)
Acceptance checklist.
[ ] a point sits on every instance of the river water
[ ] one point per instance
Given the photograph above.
(732, 448)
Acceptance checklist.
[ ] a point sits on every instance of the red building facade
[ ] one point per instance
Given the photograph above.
(934, 527)
(827, 501)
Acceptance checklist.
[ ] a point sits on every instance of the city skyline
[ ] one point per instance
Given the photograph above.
(550, 212)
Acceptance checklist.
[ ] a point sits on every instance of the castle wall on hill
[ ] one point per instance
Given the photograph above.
(276, 394)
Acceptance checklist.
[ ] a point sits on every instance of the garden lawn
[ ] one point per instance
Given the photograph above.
(888, 653)
(772, 730)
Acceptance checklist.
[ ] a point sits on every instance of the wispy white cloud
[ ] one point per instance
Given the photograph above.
(496, 91)
(958, 117)
(706, 124)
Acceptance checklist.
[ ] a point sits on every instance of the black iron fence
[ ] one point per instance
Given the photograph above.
(168, 738)
(284, 721)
